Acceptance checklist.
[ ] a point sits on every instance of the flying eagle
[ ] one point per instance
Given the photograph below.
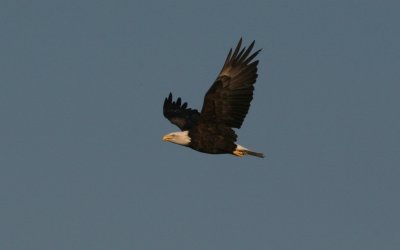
(225, 106)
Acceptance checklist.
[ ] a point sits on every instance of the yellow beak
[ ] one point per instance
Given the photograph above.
(167, 137)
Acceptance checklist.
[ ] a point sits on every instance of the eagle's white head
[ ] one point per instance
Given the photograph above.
(181, 138)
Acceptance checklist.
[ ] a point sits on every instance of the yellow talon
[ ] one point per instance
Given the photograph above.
(239, 153)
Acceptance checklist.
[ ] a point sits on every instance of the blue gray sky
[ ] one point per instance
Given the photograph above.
(82, 163)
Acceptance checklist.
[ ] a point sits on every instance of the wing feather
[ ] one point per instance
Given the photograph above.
(228, 99)
(178, 113)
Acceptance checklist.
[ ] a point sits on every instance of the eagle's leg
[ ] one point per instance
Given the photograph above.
(239, 153)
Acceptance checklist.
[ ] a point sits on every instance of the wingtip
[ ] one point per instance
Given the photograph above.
(240, 43)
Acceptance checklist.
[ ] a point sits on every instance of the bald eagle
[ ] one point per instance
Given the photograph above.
(225, 106)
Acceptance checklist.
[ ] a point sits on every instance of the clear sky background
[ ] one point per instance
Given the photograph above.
(82, 163)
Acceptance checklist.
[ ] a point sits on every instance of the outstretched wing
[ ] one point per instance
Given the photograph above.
(179, 114)
(228, 99)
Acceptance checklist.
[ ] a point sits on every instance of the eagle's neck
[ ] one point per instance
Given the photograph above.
(181, 138)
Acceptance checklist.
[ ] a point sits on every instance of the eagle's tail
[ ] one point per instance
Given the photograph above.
(261, 155)
(242, 151)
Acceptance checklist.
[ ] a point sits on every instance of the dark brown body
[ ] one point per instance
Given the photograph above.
(212, 138)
